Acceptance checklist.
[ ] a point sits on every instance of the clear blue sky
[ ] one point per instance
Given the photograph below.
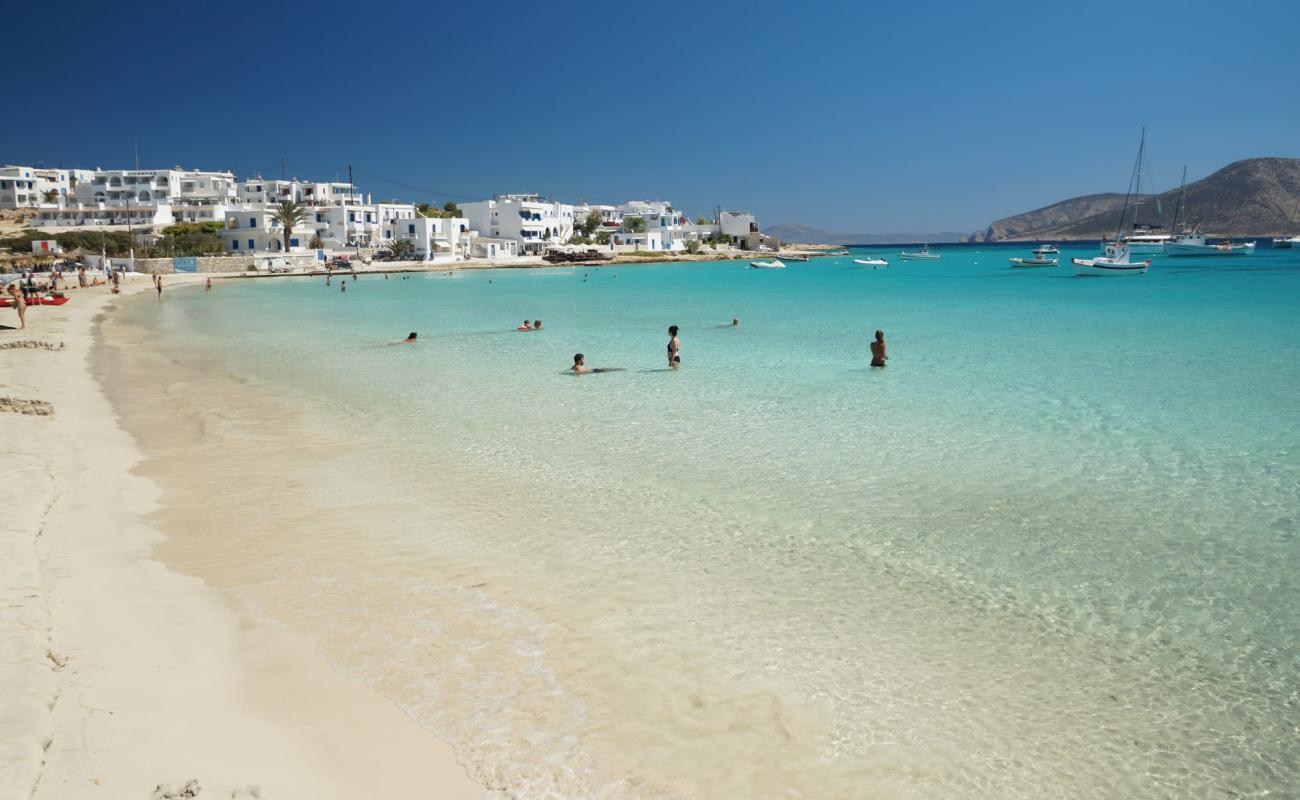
(898, 117)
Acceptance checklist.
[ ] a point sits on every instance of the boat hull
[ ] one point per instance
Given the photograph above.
(918, 257)
(871, 262)
(1034, 262)
(1100, 268)
(1210, 250)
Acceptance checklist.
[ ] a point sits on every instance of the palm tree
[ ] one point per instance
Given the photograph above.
(51, 195)
(401, 250)
(289, 214)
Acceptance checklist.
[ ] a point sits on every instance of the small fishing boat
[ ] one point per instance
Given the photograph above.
(1047, 250)
(1042, 258)
(923, 254)
(797, 258)
(871, 262)
(1287, 243)
(773, 264)
(1109, 266)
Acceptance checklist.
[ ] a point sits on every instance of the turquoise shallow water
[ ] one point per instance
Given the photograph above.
(1050, 551)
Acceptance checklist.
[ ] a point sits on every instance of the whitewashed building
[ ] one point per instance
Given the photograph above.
(664, 227)
(255, 229)
(434, 238)
(33, 187)
(611, 218)
(151, 197)
(532, 221)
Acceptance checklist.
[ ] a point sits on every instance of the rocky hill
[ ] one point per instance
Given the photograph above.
(1254, 197)
(803, 234)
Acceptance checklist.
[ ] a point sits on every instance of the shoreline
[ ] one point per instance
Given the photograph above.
(121, 674)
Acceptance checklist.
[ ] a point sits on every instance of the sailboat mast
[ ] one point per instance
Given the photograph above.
(1133, 179)
(1137, 177)
(1178, 209)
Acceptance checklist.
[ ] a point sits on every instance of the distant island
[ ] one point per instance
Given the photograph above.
(803, 234)
(1254, 197)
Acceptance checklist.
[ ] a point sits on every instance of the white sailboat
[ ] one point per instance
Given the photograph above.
(923, 254)
(1116, 263)
(1191, 242)
(1142, 239)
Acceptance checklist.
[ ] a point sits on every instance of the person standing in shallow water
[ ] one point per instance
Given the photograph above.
(878, 357)
(207, 285)
(674, 348)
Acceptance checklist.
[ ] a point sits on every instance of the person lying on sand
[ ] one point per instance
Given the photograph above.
(581, 368)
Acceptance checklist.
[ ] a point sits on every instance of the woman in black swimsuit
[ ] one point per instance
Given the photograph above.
(674, 348)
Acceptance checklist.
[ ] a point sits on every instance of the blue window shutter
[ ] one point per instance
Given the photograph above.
(251, 246)
(410, 228)
(293, 242)
(234, 244)
(252, 222)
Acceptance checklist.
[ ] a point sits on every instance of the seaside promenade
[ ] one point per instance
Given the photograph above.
(124, 679)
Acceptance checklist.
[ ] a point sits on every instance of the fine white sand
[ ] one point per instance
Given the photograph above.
(116, 674)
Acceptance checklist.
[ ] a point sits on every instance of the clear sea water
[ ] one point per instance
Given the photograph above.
(1050, 551)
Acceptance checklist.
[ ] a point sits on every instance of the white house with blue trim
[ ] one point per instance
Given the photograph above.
(532, 221)
(434, 238)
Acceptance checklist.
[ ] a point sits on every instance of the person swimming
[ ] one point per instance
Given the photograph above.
(674, 348)
(735, 322)
(580, 366)
(527, 326)
(878, 357)
(410, 337)
(537, 324)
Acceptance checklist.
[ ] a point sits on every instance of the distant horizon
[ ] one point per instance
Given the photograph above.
(864, 131)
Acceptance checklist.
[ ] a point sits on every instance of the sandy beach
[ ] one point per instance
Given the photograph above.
(125, 679)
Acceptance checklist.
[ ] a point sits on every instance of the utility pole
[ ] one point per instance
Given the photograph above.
(352, 210)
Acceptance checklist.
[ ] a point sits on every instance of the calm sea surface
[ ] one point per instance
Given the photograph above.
(1050, 551)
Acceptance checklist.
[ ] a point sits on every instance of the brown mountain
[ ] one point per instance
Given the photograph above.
(1255, 197)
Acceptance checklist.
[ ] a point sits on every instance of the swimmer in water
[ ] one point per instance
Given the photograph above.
(878, 357)
(580, 366)
(735, 322)
(410, 338)
(537, 324)
(674, 348)
(527, 326)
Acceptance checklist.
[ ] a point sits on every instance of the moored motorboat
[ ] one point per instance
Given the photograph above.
(796, 258)
(1042, 258)
(1109, 266)
(773, 264)
(1034, 262)
(1286, 243)
(923, 254)
(871, 262)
